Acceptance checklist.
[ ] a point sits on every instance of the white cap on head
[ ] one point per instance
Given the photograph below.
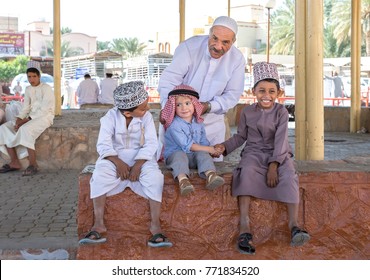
(226, 22)
(34, 64)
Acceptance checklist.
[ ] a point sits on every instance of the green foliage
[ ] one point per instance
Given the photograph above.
(9, 69)
(64, 30)
(337, 28)
(282, 29)
(128, 47)
(65, 49)
(101, 46)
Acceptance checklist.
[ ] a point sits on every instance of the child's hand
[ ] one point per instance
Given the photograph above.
(211, 150)
(272, 175)
(136, 170)
(220, 149)
(134, 173)
(123, 170)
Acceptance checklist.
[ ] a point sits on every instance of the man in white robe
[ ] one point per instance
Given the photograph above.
(215, 68)
(17, 138)
(88, 91)
(107, 86)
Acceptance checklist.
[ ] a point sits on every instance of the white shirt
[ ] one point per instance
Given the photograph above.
(107, 86)
(87, 92)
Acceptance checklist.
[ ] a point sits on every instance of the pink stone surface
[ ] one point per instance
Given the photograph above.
(335, 209)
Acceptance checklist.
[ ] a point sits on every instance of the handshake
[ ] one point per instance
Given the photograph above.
(217, 150)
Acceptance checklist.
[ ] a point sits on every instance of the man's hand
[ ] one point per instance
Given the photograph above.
(19, 122)
(161, 120)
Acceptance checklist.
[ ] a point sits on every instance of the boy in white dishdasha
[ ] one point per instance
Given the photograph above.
(127, 146)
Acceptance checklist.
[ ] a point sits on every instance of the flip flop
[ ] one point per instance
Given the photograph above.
(30, 170)
(244, 245)
(96, 240)
(159, 240)
(7, 168)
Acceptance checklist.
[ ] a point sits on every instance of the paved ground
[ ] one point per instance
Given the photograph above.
(40, 212)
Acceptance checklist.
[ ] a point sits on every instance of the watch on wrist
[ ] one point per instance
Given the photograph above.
(208, 107)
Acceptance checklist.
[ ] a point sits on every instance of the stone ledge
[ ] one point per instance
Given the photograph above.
(335, 208)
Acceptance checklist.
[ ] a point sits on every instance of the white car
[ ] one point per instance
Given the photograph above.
(23, 81)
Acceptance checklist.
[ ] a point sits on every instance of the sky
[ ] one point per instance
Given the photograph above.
(117, 18)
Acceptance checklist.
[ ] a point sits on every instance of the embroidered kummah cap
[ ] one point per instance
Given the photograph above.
(226, 22)
(34, 64)
(184, 89)
(130, 95)
(263, 71)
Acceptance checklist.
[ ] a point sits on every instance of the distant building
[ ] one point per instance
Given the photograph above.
(37, 38)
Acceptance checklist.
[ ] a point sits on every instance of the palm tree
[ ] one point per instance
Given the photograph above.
(118, 46)
(64, 30)
(100, 45)
(282, 29)
(133, 47)
(128, 47)
(65, 49)
(341, 22)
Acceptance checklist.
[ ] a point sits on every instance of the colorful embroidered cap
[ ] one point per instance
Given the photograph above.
(263, 71)
(130, 95)
(34, 64)
(184, 89)
(226, 22)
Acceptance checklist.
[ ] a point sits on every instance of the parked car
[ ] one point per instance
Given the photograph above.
(23, 81)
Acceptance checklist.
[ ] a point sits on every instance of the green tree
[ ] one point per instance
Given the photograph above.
(64, 30)
(100, 45)
(341, 24)
(128, 47)
(9, 69)
(282, 29)
(118, 46)
(65, 49)
(133, 47)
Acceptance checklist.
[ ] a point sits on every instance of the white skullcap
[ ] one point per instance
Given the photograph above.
(34, 64)
(226, 22)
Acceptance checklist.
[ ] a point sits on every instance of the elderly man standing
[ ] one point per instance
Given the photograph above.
(88, 91)
(215, 68)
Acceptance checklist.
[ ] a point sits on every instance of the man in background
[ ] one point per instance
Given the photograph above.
(88, 91)
(107, 86)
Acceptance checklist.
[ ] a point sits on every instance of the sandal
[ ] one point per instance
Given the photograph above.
(7, 168)
(30, 170)
(92, 237)
(159, 240)
(299, 237)
(244, 246)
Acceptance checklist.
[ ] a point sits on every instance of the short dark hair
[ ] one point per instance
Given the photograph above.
(33, 70)
(129, 109)
(87, 75)
(271, 81)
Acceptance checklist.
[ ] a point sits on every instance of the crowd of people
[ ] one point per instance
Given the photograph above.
(204, 81)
